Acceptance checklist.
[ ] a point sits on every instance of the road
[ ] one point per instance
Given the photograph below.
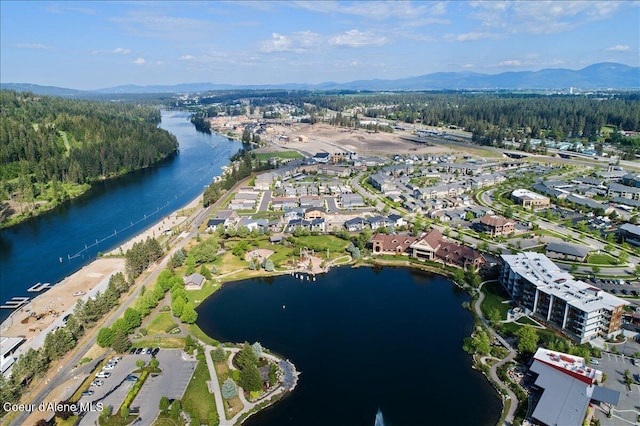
(67, 370)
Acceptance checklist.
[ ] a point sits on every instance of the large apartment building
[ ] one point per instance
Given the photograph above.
(578, 309)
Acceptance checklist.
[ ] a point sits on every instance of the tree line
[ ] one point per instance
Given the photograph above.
(46, 140)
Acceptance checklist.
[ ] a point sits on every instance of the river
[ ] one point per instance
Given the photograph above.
(55, 244)
(365, 340)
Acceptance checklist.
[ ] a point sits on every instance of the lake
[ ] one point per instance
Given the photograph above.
(111, 212)
(364, 339)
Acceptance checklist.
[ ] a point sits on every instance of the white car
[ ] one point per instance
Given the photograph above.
(97, 383)
(103, 375)
(109, 367)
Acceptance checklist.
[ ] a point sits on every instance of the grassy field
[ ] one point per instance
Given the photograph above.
(202, 402)
(196, 332)
(164, 342)
(602, 259)
(197, 296)
(264, 156)
(494, 296)
(320, 243)
(160, 323)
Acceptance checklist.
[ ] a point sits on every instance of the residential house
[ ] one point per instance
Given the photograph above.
(355, 225)
(314, 213)
(349, 201)
(194, 281)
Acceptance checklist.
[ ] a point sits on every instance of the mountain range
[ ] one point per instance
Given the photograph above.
(605, 75)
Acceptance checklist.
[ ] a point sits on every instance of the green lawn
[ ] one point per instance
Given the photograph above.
(526, 321)
(494, 296)
(203, 405)
(320, 243)
(602, 259)
(160, 323)
(197, 333)
(263, 156)
(197, 296)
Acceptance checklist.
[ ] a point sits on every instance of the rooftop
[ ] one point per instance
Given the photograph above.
(525, 193)
(546, 276)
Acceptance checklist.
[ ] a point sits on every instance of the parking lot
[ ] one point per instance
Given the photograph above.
(172, 382)
(628, 406)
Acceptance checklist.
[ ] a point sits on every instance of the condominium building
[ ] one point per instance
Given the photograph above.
(578, 309)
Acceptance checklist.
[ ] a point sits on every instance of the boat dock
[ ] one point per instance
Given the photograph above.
(37, 288)
(15, 303)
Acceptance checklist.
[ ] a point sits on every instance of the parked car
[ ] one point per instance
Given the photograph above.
(147, 351)
(131, 378)
(138, 351)
(155, 351)
(103, 375)
(132, 351)
(87, 393)
(97, 383)
(109, 367)
(595, 362)
(116, 358)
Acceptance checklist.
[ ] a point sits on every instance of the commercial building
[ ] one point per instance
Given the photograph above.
(578, 309)
(565, 386)
(629, 233)
(497, 226)
(527, 198)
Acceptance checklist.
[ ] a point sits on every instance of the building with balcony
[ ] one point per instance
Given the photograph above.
(581, 311)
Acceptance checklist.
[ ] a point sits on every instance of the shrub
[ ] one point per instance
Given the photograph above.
(170, 328)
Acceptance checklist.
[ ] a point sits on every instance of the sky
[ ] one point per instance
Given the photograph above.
(93, 45)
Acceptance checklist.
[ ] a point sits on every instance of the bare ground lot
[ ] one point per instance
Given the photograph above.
(326, 138)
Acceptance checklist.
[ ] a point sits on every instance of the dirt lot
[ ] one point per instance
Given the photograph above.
(53, 303)
(323, 137)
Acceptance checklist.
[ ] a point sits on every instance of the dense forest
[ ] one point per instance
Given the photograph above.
(49, 143)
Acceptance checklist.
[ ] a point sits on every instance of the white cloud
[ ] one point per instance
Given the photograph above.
(472, 36)
(121, 51)
(378, 10)
(297, 42)
(541, 17)
(139, 61)
(357, 38)
(618, 48)
(531, 60)
(467, 66)
(33, 46)
(511, 63)
(187, 57)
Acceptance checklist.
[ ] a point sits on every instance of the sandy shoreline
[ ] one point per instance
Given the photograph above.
(45, 311)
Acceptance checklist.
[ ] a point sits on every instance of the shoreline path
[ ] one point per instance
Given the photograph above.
(63, 370)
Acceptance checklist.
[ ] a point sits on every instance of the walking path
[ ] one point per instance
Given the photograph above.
(214, 387)
(493, 372)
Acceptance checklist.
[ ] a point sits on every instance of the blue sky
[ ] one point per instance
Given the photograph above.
(91, 45)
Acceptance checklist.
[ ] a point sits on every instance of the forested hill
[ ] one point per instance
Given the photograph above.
(49, 145)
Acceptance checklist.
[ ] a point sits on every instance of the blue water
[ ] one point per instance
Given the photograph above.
(110, 213)
(366, 341)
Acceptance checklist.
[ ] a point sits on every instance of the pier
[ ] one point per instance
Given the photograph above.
(37, 288)
(15, 303)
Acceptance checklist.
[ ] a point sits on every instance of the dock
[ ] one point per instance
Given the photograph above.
(15, 303)
(37, 288)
